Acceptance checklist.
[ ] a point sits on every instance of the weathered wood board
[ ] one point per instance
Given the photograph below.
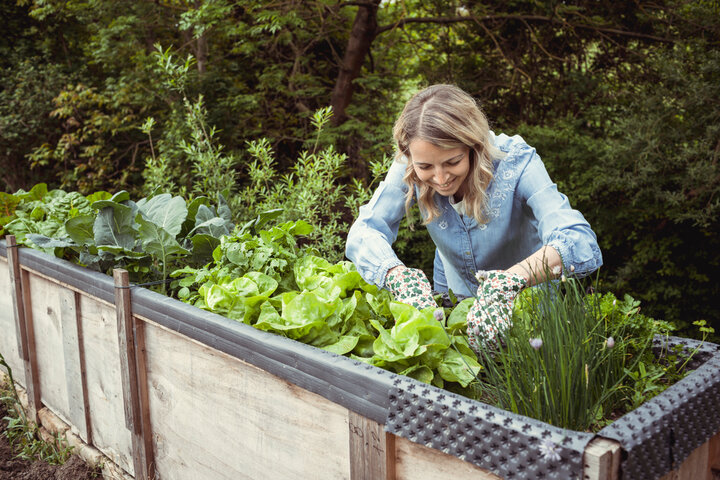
(214, 416)
(8, 333)
(47, 324)
(413, 461)
(699, 464)
(54, 313)
(104, 386)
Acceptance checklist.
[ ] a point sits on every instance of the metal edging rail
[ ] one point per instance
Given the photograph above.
(352, 384)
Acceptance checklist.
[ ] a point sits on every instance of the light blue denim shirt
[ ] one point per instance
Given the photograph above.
(525, 211)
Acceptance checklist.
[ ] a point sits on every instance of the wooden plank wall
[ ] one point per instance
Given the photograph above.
(214, 416)
(104, 384)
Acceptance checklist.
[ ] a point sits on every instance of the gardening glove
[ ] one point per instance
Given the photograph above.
(490, 316)
(410, 286)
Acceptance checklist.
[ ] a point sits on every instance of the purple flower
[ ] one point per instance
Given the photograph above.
(536, 343)
(439, 315)
(610, 342)
(550, 451)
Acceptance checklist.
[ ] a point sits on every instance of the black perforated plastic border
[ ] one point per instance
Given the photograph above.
(661, 433)
(510, 445)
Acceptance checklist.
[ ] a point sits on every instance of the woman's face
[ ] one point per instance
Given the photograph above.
(445, 170)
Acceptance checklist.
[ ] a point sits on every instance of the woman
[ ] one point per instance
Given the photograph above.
(489, 205)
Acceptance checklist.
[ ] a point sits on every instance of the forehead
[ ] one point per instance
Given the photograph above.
(422, 151)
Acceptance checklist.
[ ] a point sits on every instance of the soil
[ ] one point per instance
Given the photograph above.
(13, 468)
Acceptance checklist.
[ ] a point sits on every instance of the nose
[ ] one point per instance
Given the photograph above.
(441, 176)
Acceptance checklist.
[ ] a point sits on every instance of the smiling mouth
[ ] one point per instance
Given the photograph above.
(445, 185)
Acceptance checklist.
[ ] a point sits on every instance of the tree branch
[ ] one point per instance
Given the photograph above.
(538, 18)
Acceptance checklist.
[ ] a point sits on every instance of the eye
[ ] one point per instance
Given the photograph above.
(422, 167)
(454, 162)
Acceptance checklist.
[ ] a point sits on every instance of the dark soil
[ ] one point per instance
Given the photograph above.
(13, 468)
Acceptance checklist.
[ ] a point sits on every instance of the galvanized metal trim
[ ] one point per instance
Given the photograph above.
(355, 385)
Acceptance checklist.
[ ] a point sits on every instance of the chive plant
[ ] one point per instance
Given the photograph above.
(564, 361)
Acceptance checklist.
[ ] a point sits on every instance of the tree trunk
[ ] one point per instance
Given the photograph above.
(361, 37)
(201, 53)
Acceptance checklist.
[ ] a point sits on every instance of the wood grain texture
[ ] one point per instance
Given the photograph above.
(702, 464)
(9, 339)
(130, 372)
(415, 461)
(73, 360)
(104, 385)
(216, 417)
(47, 312)
(18, 305)
(143, 437)
(369, 450)
(601, 460)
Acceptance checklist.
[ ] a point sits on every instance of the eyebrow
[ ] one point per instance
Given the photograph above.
(444, 161)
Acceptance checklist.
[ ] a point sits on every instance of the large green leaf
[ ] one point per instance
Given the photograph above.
(80, 229)
(115, 225)
(207, 222)
(157, 241)
(37, 192)
(203, 247)
(459, 368)
(46, 242)
(457, 320)
(165, 211)
(8, 202)
(103, 201)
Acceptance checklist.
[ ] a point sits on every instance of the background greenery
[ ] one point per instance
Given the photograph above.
(621, 100)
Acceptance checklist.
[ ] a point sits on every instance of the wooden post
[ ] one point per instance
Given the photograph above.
(372, 451)
(22, 309)
(134, 379)
(602, 459)
(714, 457)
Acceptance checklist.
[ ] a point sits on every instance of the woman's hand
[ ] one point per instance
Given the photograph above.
(410, 286)
(491, 314)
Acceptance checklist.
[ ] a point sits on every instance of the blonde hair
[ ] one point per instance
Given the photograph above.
(447, 117)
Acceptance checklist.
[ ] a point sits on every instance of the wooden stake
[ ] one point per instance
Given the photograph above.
(372, 457)
(134, 384)
(602, 459)
(22, 309)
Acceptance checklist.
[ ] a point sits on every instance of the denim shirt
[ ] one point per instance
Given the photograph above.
(525, 212)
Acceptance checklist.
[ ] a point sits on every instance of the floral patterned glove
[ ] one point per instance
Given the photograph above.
(410, 286)
(491, 314)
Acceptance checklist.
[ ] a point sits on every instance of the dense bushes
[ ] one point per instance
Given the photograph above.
(620, 101)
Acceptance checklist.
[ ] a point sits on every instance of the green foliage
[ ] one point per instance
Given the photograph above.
(654, 162)
(262, 279)
(311, 191)
(102, 232)
(576, 360)
(270, 252)
(619, 99)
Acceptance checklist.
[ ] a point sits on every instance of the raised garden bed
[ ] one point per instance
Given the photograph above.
(163, 388)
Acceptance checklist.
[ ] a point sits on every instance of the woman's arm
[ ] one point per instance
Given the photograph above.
(370, 239)
(561, 228)
(543, 265)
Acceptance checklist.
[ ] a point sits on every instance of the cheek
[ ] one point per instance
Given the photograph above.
(423, 175)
